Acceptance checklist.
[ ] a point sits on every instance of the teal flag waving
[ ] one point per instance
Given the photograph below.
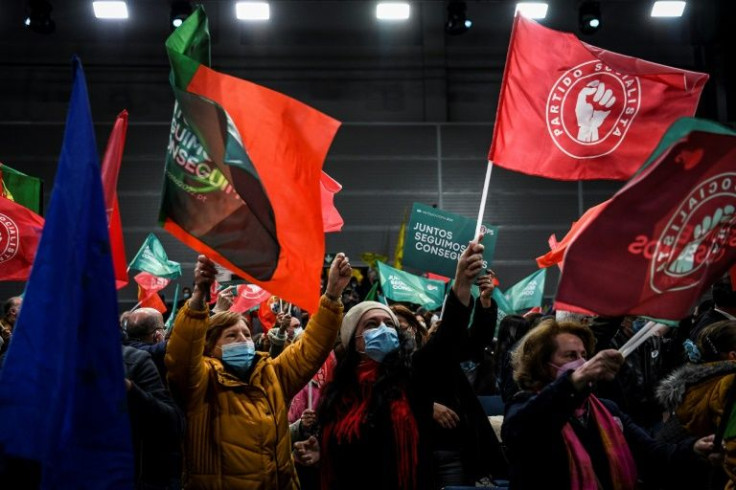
(152, 258)
(528, 292)
(402, 286)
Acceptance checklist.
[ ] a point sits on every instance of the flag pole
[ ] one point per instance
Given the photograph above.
(483, 198)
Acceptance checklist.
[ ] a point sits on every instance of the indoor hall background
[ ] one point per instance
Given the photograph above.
(417, 107)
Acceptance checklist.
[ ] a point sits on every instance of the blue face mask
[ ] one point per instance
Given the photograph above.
(380, 341)
(238, 356)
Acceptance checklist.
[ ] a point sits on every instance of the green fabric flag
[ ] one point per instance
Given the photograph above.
(153, 259)
(373, 293)
(21, 188)
(402, 286)
(528, 292)
(504, 308)
(172, 316)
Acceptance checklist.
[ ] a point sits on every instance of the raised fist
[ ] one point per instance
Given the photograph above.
(592, 113)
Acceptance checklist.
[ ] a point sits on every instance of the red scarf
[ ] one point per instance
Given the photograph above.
(620, 461)
(350, 421)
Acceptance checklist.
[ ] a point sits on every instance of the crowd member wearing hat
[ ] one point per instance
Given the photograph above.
(376, 413)
(236, 399)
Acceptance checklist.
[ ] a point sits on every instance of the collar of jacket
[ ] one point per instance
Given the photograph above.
(672, 389)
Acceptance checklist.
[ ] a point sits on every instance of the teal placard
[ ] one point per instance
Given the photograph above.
(435, 239)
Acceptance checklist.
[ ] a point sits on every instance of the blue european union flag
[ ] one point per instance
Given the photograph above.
(62, 392)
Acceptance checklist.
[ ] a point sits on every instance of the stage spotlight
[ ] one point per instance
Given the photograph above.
(589, 17)
(393, 11)
(532, 10)
(38, 17)
(110, 9)
(457, 20)
(668, 9)
(180, 10)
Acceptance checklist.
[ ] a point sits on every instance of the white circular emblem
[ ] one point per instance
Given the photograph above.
(9, 238)
(698, 234)
(591, 108)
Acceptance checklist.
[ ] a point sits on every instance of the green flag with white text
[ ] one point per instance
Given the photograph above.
(152, 258)
(402, 286)
(528, 292)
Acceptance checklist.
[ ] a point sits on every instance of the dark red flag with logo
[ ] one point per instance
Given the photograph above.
(572, 111)
(20, 232)
(664, 238)
(248, 296)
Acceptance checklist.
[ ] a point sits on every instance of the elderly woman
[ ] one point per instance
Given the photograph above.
(559, 435)
(235, 398)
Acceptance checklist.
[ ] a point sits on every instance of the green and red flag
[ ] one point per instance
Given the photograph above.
(110, 169)
(663, 239)
(21, 188)
(20, 233)
(243, 170)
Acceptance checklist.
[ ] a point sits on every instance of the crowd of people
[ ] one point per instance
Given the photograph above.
(361, 394)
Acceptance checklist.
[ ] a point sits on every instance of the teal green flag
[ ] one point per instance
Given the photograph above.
(373, 293)
(436, 239)
(152, 258)
(172, 316)
(402, 286)
(528, 292)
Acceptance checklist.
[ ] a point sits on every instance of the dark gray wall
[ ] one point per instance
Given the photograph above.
(418, 108)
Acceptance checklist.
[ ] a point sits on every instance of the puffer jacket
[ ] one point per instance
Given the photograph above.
(696, 395)
(238, 432)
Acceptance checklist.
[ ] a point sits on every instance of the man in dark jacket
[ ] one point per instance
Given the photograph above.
(157, 424)
(724, 298)
(145, 329)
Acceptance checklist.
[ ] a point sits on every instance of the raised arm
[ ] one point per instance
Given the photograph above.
(298, 362)
(187, 371)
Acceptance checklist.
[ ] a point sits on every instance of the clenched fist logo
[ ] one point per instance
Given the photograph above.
(592, 111)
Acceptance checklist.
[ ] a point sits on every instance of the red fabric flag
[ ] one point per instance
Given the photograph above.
(20, 232)
(572, 111)
(148, 288)
(110, 170)
(331, 218)
(266, 315)
(437, 277)
(248, 295)
(557, 252)
(664, 238)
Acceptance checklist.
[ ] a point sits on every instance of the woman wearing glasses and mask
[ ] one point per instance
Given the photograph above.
(236, 398)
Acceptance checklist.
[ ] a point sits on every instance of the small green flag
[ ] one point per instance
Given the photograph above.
(402, 286)
(528, 292)
(172, 316)
(21, 188)
(373, 293)
(153, 259)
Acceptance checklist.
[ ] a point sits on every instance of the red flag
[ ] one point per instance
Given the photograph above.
(437, 277)
(148, 288)
(572, 111)
(664, 238)
(110, 170)
(266, 315)
(558, 249)
(249, 295)
(331, 218)
(20, 232)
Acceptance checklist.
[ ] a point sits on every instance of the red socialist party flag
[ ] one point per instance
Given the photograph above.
(572, 111)
(20, 232)
(662, 240)
(248, 296)
(148, 288)
(110, 169)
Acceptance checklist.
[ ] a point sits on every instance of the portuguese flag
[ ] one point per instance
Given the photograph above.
(243, 167)
(21, 188)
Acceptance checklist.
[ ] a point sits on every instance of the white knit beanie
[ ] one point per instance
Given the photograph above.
(352, 317)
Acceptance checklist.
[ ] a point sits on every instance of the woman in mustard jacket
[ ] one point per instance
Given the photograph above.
(236, 400)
